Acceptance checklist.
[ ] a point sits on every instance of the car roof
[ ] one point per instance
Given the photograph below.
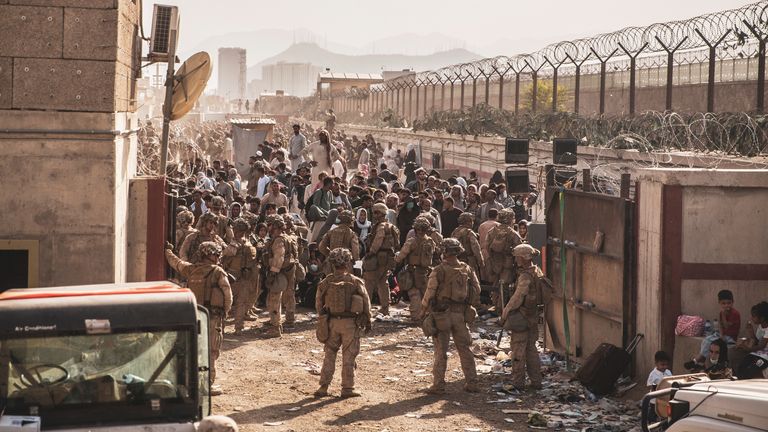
(752, 387)
(46, 311)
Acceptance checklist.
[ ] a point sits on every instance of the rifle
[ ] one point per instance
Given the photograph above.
(501, 298)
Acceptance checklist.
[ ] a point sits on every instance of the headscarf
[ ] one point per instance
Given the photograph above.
(364, 228)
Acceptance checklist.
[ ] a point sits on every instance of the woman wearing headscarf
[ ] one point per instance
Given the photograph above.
(362, 224)
(457, 193)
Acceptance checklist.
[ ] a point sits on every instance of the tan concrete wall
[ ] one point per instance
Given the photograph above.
(67, 93)
(137, 231)
(649, 236)
(725, 225)
(486, 154)
(62, 189)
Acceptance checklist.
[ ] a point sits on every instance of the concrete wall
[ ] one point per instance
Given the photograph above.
(67, 96)
(712, 237)
(486, 154)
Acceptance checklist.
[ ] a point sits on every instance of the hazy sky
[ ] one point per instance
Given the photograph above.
(478, 23)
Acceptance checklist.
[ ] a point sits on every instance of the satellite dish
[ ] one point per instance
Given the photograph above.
(189, 83)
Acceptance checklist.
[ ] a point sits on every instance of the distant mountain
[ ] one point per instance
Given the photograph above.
(413, 44)
(312, 53)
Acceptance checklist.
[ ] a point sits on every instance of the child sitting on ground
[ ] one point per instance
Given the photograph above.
(728, 329)
(662, 360)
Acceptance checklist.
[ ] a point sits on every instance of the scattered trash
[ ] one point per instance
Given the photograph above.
(537, 420)
(413, 415)
(278, 423)
(471, 429)
(378, 352)
(294, 409)
(391, 379)
(509, 420)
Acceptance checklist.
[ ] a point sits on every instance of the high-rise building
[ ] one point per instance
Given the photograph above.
(232, 69)
(296, 79)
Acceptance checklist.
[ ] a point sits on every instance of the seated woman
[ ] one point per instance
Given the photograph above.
(756, 362)
(716, 363)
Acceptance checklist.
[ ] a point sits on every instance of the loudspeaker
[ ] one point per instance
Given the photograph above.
(516, 151)
(517, 181)
(564, 151)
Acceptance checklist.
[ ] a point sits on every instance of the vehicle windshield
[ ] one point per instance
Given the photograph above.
(46, 373)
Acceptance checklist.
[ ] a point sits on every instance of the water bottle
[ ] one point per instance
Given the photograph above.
(708, 328)
(716, 326)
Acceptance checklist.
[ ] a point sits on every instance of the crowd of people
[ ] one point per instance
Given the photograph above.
(338, 223)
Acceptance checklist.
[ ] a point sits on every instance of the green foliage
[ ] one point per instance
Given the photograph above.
(543, 97)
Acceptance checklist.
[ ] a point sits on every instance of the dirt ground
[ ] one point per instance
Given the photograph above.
(268, 385)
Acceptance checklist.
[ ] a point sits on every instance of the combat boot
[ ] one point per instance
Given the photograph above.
(471, 387)
(435, 390)
(274, 332)
(348, 393)
(321, 392)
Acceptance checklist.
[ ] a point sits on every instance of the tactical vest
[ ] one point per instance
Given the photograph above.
(502, 239)
(454, 287)
(341, 237)
(538, 294)
(422, 252)
(243, 263)
(222, 222)
(202, 281)
(391, 237)
(462, 235)
(291, 251)
(338, 295)
(194, 246)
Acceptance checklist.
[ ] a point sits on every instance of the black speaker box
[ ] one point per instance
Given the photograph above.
(516, 151)
(517, 181)
(564, 151)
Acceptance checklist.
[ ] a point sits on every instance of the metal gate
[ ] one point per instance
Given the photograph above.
(594, 234)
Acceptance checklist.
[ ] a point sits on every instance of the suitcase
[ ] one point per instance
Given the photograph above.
(603, 367)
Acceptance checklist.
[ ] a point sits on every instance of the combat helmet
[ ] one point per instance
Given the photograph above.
(466, 217)
(421, 224)
(451, 246)
(346, 217)
(506, 216)
(185, 217)
(380, 208)
(209, 248)
(208, 217)
(241, 225)
(525, 250)
(218, 202)
(340, 257)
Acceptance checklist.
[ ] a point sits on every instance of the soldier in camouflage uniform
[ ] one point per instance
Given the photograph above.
(341, 236)
(418, 252)
(209, 283)
(501, 262)
(344, 298)
(528, 298)
(223, 228)
(381, 243)
(240, 260)
(189, 250)
(280, 260)
(299, 271)
(436, 237)
(184, 228)
(452, 292)
(470, 241)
